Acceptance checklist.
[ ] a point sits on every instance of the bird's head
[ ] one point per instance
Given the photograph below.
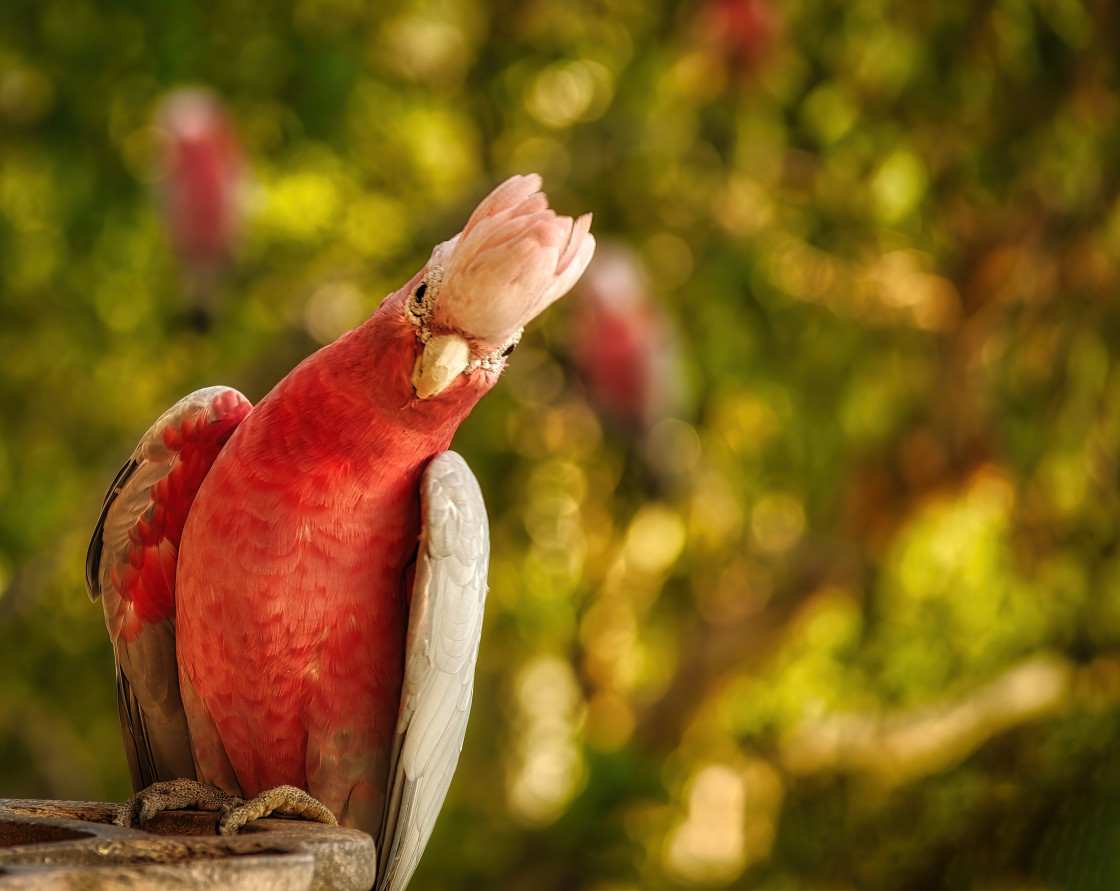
(514, 257)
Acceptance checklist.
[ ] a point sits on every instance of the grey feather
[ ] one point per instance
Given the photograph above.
(444, 630)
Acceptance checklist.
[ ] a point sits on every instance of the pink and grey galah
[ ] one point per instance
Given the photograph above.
(201, 189)
(294, 590)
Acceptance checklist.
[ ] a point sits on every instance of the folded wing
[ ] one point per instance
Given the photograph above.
(444, 629)
(131, 564)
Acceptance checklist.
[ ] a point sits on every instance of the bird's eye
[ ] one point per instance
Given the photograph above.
(509, 349)
(418, 307)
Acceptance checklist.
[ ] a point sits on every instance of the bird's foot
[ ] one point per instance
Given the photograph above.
(171, 795)
(286, 801)
(233, 812)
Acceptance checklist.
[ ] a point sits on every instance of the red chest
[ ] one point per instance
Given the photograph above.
(291, 610)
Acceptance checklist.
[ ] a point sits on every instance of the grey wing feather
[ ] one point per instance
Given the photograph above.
(153, 722)
(444, 630)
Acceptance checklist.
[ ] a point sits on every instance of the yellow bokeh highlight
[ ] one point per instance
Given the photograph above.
(729, 822)
(334, 309)
(567, 92)
(655, 539)
(549, 766)
(301, 204)
(898, 186)
(777, 522)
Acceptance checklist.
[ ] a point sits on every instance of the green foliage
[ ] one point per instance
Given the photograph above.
(852, 618)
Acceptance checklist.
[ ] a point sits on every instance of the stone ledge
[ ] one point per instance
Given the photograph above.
(74, 845)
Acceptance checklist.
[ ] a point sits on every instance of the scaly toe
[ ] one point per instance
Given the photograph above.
(285, 801)
(170, 795)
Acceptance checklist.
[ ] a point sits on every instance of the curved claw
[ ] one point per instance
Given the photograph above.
(286, 801)
(170, 795)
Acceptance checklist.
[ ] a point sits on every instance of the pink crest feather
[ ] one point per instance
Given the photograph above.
(514, 257)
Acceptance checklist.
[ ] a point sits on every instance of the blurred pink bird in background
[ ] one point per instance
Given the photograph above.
(621, 343)
(201, 190)
(743, 33)
(623, 348)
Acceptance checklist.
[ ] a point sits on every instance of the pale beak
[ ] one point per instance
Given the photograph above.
(444, 358)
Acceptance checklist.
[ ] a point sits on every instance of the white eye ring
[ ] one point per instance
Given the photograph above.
(496, 360)
(419, 305)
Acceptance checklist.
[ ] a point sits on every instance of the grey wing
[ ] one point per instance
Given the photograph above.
(444, 630)
(130, 567)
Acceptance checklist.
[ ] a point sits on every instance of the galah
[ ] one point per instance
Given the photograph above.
(294, 590)
(622, 345)
(201, 187)
(741, 33)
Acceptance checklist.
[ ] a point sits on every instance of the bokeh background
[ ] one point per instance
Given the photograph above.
(825, 593)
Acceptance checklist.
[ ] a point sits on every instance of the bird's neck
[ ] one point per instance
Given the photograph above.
(352, 404)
